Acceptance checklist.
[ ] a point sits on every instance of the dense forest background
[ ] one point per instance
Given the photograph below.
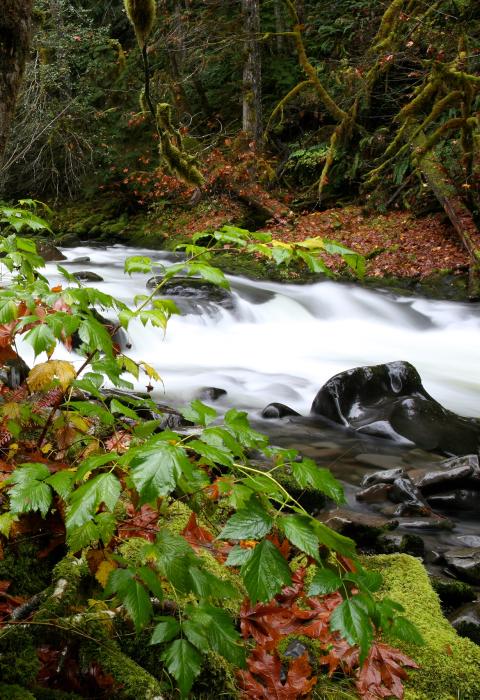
(313, 103)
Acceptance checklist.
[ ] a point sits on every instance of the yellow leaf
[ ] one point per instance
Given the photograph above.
(11, 410)
(44, 374)
(92, 448)
(46, 448)
(104, 571)
(150, 371)
(78, 421)
(313, 243)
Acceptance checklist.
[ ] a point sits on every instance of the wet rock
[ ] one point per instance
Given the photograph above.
(439, 480)
(464, 562)
(278, 410)
(461, 499)
(83, 260)
(364, 528)
(454, 462)
(87, 276)
(295, 649)
(49, 252)
(469, 540)
(404, 491)
(390, 401)
(384, 477)
(192, 294)
(466, 621)
(13, 372)
(378, 493)
(452, 593)
(211, 393)
(430, 524)
(409, 498)
(404, 543)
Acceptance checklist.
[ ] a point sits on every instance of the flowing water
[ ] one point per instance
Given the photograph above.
(281, 342)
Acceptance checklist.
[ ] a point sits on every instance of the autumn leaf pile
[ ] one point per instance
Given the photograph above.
(295, 614)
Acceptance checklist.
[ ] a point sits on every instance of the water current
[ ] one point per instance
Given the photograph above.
(281, 342)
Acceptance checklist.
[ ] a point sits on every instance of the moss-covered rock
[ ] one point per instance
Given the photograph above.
(449, 664)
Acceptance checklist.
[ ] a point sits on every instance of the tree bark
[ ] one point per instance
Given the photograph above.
(15, 31)
(252, 72)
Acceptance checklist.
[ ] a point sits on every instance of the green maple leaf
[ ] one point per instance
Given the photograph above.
(265, 573)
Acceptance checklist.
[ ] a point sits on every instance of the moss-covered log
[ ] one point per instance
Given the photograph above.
(460, 216)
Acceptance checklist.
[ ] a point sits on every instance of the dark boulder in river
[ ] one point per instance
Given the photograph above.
(390, 401)
(192, 294)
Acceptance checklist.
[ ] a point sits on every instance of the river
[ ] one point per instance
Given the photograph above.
(281, 342)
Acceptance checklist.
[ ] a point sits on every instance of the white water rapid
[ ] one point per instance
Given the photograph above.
(282, 342)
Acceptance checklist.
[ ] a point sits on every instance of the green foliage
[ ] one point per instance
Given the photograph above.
(154, 469)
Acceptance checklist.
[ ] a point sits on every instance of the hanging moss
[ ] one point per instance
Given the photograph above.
(141, 14)
(176, 160)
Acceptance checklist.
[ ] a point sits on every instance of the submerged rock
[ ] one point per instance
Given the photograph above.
(278, 410)
(87, 276)
(192, 294)
(211, 393)
(390, 401)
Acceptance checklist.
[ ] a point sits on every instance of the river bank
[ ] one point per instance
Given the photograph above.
(404, 253)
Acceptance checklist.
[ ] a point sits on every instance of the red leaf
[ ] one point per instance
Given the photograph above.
(200, 538)
(267, 669)
(140, 523)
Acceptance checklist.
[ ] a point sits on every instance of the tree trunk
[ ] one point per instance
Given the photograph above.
(279, 25)
(252, 72)
(15, 29)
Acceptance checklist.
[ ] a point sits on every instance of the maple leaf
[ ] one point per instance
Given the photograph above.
(200, 538)
(140, 523)
(382, 673)
(43, 374)
(267, 668)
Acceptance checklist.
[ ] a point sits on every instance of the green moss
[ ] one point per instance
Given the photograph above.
(63, 595)
(21, 565)
(49, 694)
(134, 681)
(217, 678)
(449, 664)
(18, 658)
(14, 692)
(452, 593)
